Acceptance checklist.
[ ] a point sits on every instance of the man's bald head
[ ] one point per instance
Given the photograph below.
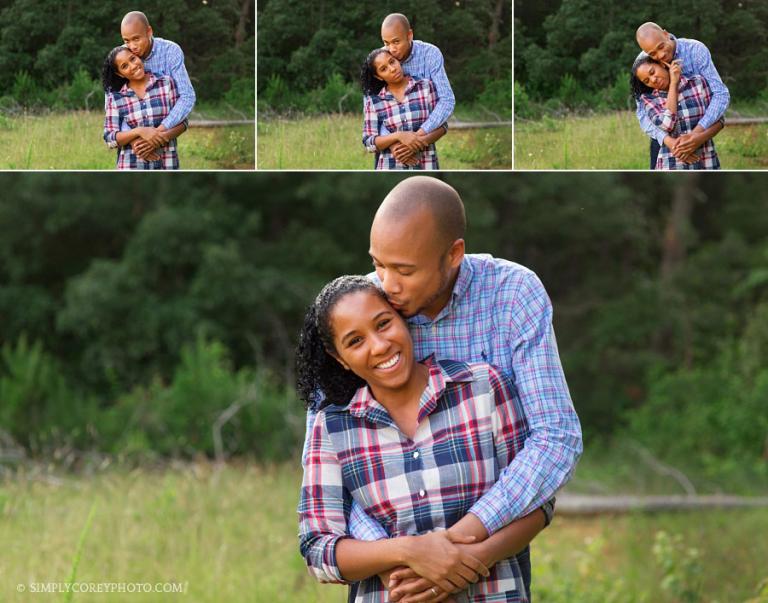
(396, 20)
(656, 41)
(422, 196)
(135, 17)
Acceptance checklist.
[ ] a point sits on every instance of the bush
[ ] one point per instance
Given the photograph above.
(570, 92)
(82, 92)
(497, 97)
(25, 90)
(336, 96)
(40, 410)
(242, 95)
(178, 419)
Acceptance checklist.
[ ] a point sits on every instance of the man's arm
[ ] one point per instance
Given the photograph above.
(703, 65)
(554, 442)
(445, 99)
(186, 100)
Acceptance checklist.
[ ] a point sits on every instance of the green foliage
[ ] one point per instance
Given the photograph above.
(474, 37)
(61, 47)
(681, 567)
(497, 97)
(592, 42)
(40, 409)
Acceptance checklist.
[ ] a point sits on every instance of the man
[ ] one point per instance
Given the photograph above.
(422, 60)
(161, 57)
(696, 60)
(476, 308)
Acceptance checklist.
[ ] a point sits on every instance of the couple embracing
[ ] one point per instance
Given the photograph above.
(408, 99)
(680, 98)
(148, 97)
(440, 424)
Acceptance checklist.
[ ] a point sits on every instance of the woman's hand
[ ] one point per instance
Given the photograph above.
(675, 69)
(436, 557)
(409, 587)
(412, 140)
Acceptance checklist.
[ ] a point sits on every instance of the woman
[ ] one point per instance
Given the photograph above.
(402, 104)
(675, 103)
(141, 100)
(415, 444)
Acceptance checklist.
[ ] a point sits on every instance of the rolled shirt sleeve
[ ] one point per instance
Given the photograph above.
(111, 120)
(554, 443)
(370, 125)
(648, 127)
(323, 506)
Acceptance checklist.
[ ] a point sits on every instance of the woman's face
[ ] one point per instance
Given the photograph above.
(129, 66)
(653, 75)
(387, 68)
(372, 340)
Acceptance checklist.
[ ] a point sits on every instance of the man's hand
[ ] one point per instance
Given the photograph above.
(144, 150)
(403, 154)
(413, 141)
(673, 144)
(688, 143)
(157, 137)
(436, 557)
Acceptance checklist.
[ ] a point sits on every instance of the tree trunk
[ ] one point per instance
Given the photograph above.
(240, 31)
(493, 34)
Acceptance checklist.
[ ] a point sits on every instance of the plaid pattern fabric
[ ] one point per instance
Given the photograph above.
(409, 115)
(696, 61)
(694, 97)
(426, 62)
(126, 107)
(470, 425)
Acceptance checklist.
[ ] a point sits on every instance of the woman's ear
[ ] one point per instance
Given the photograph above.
(337, 358)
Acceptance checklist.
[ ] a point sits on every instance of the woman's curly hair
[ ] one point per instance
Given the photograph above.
(320, 378)
(370, 83)
(635, 85)
(111, 80)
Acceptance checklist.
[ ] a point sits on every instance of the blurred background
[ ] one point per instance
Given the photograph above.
(51, 98)
(146, 371)
(573, 61)
(309, 98)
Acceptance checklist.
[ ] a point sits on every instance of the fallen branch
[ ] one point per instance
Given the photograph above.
(581, 504)
(225, 123)
(477, 125)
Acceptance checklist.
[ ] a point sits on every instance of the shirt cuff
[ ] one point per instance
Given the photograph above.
(492, 513)
(705, 122)
(370, 144)
(549, 511)
(329, 571)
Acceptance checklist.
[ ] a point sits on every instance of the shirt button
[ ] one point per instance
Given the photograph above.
(422, 493)
(416, 454)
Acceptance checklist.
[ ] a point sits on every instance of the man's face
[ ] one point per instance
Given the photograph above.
(414, 267)
(397, 39)
(659, 46)
(137, 37)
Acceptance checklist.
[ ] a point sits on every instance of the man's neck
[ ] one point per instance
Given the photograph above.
(151, 48)
(410, 52)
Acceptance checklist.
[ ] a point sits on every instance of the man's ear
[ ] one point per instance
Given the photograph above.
(150, 33)
(456, 253)
(410, 35)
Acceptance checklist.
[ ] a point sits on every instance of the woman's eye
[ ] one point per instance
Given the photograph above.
(384, 322)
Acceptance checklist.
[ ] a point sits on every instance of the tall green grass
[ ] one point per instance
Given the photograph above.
(73, 141)
(334, 142)
(615, 141)
(230, 535)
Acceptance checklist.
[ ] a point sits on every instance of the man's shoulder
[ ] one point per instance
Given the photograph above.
(427, 48)
(691, 46)
(167, 45)
(485, 266)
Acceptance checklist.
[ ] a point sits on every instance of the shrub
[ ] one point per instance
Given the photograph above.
(497, 97)
(242, 95)
(25, 90)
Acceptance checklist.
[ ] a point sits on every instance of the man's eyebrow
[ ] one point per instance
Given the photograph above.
(396, 265)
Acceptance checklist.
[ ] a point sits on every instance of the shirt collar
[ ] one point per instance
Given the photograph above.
(126, 89)
(151, 48)
(364, 406)
(410, 54)
(385, 93)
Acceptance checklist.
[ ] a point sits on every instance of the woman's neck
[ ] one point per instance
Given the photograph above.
(407, 396)
(398, 88)
(139, 84)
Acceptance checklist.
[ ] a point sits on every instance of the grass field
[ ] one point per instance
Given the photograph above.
(73, 141)
(231, 536)
(615, 141)
(333, 142)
